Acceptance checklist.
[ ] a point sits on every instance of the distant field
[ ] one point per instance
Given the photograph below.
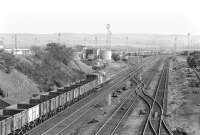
(134, 40)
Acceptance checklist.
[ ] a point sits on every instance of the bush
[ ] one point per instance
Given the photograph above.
(59, 52)
(48, 71)
(191, 61)
(25, 68)
(2, 94)
(115, 57)
(37, 51)
(7, 61)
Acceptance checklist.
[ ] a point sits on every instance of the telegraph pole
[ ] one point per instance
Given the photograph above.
(59, 35)
(175, 45)
(96, 40)
(84, 41)
(14, 47)
(35, 41)
(108, 36)
(15, 41)
(127, 44)
(188, 37)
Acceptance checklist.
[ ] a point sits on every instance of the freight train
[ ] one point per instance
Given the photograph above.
(20, 118)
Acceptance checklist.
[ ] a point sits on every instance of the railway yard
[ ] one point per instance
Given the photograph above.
(159, 96)
(100, 67)
(102, 117)
(82, 118)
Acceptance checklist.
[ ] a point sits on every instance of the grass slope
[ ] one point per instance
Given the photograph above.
(17, 86)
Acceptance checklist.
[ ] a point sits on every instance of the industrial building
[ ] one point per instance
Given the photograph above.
(92, 53)
(95, 53)
(19, 51)
(106, 54)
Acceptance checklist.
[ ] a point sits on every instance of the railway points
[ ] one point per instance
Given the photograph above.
(155, 119)
(60, 120)
(45, 127)
(113, 123)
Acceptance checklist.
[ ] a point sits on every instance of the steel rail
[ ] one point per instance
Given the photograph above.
(163, 73)
(146, 121)
(118, 76)
(123, 117)
(154, 100)
(116, 85)
(196, 72)
(114, 114)
(149, 106)
(114, 79)
(132, 72)
(115, 128)
(161, 120)
(163, 99)
(119, 122)
(164, 123)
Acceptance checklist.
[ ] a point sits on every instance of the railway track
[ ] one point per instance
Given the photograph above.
(125, 103)
(148, 100)
(54, 125)
(154, 123)
(112, 124)
(197, 74)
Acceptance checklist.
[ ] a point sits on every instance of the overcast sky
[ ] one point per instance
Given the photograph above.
(91, 16)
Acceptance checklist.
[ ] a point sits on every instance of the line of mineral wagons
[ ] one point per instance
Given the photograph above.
(20, 118)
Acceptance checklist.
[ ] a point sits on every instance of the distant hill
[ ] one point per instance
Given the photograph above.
(70, 39)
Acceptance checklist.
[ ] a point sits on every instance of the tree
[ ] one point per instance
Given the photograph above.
(37, 51)
(191, 61)
(8, 61)
(60, 52)
(25, 67)
(115, 57)
(47, 68)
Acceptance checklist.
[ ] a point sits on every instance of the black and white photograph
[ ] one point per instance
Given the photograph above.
(99, 67)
